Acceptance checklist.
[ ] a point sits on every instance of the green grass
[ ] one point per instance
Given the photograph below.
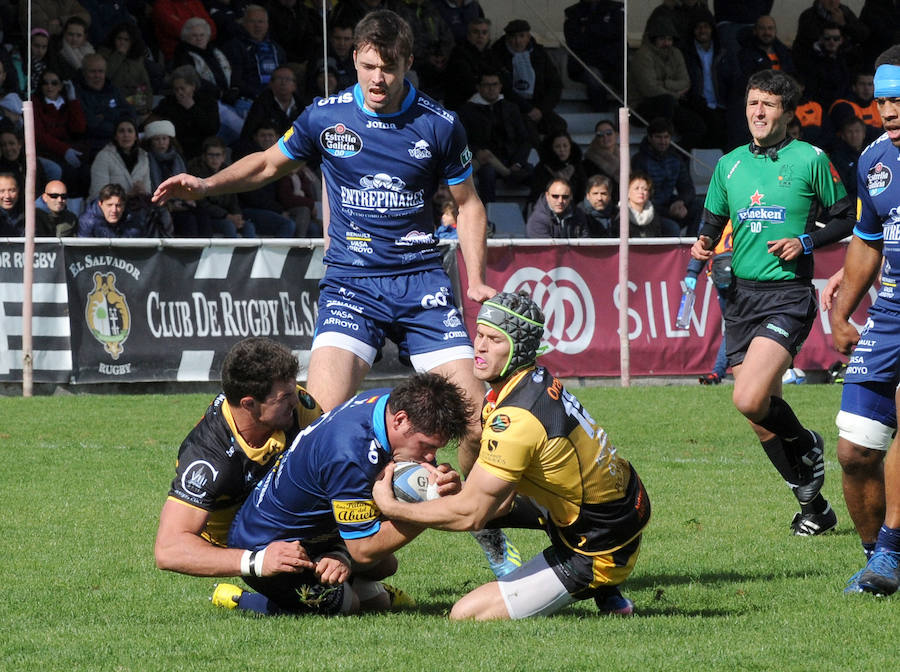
(720, 583)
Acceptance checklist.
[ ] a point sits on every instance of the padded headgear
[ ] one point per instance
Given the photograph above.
(521, 321)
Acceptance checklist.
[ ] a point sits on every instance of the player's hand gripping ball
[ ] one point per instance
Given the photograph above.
(411, 483)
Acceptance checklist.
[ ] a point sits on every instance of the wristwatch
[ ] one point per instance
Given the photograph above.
(807, 242)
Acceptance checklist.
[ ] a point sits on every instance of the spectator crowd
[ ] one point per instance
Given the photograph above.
(130, 92)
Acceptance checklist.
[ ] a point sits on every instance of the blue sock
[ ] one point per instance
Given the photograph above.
(888, 540)
(869, 549)
(258, 603)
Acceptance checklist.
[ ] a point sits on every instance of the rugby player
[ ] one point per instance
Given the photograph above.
(542, 449)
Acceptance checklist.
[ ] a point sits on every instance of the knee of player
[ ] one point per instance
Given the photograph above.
(863, 442)
(752, 406)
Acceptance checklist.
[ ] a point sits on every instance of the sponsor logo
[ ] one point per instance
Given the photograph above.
(354, 511)
(870, 324)
(492, 445)
(420, 150)
(452, 320)
(373, 123)
(416, 238)
(197, 476)
(439, 299)
(337, 322)
(349, 306)
(107, 314)
(287, 134)
(346, 97)
(455, 334)
(777, 330)
(382, 192)
(340, 141)
(500, 423)
(437, 109)
(359, 246)
(466, 156)
(565, 299)
(878, 179)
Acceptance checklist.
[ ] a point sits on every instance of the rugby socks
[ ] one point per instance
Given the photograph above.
(781, 421)
(868, 549)
(785, 466)
(257, 603)
(779, 459)
(888, 540)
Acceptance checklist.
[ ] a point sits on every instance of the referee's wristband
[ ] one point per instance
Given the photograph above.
(252, 563)
(807, 242)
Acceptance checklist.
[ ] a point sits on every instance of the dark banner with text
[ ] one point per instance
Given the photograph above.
(578, 290)
(149, 314)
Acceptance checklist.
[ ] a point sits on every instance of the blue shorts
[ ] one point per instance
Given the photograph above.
(415, 310)
(876, 356)
(868, 415)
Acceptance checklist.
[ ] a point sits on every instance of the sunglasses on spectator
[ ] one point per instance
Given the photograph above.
(62, 196)
(564, 197)
(602, 134)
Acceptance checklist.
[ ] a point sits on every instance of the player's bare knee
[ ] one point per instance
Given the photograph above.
(752, 406)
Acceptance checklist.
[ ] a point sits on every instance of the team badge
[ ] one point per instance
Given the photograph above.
(501, 423)
(341, 142)
(107, 314)
(420, 150)
(878, 179)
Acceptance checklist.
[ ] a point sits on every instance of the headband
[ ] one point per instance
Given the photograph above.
(887, 81)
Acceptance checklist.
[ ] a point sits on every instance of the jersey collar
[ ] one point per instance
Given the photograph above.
(273, 446)
(772, 150)
(378, 423)
(404, 106)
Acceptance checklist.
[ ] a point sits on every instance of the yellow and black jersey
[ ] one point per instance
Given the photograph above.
(538, 435)
(216, 469)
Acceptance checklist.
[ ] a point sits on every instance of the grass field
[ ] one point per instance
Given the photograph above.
(720, 584)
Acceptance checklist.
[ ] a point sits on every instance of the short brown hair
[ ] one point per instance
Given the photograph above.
(110, 190)
(387, 33)
(253, 365)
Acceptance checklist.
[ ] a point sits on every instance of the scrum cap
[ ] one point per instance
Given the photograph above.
(521, 321)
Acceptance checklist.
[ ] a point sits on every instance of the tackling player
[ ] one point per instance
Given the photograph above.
(868, 417)
(235, 443)
(540, 442)
(384, 147)
(773, 190)
(320, 494)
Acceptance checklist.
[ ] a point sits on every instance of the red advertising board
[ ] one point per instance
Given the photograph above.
(577, 288)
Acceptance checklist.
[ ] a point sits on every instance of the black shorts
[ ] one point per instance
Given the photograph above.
(781, 311)
(301, 593)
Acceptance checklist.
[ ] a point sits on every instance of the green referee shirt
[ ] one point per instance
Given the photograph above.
(769, 199)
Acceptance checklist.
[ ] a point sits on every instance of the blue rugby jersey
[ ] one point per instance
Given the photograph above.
(878, 210)
(381, 171)
(321, 487)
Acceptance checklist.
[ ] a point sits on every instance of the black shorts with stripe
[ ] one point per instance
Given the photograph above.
(781, 311)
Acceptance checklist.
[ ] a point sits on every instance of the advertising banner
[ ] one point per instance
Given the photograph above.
(52, 355)
(149, 314)
(577, 288)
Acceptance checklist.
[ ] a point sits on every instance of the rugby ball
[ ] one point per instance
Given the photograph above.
(794, 377)
(411, 483)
